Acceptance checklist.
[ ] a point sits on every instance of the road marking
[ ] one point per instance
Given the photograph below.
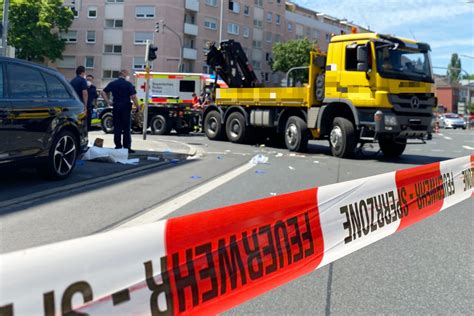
(468, 147)
(447, 137)
(438, 150)
(178, 202)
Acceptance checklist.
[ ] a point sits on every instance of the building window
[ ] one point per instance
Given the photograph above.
(257, 44)
(233, 28)
(74, 10)
(266, 77)
(110, 74)
(277, 19)
(269, 17)
(67, 62)
(267, 56)
(246, 10)
(257, 24)
(114, 23)
(70, 37)
(115, 1)
(290, 27)
(256, 64)
(268, 37)
(89, 62)
(140, 38)
(258, 3)
(210, 24)
(90, 37)
(234, 6)
(278, 1)
(277, 39)
(145, 12)
(212, 3)
(113, 49)
(92, 12)
(206, 69)
(246, 31)
(139, 63)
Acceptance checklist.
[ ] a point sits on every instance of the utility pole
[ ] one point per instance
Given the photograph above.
(147, 88)
(6, 6)
(220, 22)
(163, 25)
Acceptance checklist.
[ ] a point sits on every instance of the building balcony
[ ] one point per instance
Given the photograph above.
(189, 53)
(192, 5)
(190, 29)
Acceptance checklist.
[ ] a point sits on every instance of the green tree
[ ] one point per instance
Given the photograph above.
(454, 68)
(35, 28)
(291, 54)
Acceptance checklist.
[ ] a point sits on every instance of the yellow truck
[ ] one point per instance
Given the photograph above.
(369, 87)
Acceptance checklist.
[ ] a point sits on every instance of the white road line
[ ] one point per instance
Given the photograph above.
(438, 150)
(447, 137)
(169, 207)
(468, 147)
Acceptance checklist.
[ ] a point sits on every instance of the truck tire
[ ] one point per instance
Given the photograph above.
(296, 134)
(107, 123)
(213, 127)
(235, 128)
(392, 147)
(342, 138)
(160, 125)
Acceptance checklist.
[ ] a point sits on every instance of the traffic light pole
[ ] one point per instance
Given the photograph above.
(6, 5)
(147, 89)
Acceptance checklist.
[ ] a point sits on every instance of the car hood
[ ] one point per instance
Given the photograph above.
(454, 120)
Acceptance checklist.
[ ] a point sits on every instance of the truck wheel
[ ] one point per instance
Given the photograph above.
(213, 127)
(342, 138)
(160, 125)
(235, 128)
(296, 134)
(107, 123)
(392, 147)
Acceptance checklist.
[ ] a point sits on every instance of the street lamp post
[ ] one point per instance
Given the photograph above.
(180, 66)
(6, 5)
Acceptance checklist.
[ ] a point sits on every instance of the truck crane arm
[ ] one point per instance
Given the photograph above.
(231, 64)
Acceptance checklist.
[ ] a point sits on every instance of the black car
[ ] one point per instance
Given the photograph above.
(42, 121)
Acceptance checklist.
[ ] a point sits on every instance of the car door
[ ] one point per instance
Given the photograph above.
(5, 112)
(30, 113)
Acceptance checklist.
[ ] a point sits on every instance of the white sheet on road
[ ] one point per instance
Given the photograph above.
(110, 155)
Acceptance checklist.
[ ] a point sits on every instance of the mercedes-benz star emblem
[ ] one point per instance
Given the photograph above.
(415, 102)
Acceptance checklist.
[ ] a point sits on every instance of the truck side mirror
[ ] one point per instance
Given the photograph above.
(362, 67)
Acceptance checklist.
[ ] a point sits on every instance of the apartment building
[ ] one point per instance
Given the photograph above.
(108, 35)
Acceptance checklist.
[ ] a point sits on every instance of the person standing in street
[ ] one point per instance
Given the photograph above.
(79, 84)
(91, 100)
(123, 93)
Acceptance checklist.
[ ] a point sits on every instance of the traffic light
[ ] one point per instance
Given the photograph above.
(152, 52)
(157, 29)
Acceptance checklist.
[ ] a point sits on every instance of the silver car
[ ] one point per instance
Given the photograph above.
(452, 120)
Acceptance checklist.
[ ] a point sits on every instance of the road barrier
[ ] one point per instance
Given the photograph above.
(209, 262)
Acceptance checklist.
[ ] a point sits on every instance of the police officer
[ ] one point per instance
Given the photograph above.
(79, 84)
(92, 92)
(123, 93)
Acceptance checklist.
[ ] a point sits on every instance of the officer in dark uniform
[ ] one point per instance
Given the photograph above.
(92, 97)
(123, 93)
(79, 84)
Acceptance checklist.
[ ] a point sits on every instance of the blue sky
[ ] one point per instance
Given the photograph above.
(447, 25)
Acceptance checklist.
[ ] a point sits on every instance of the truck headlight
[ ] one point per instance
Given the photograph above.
(390, 120)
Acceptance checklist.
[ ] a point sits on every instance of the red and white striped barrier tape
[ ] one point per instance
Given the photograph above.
(209, 262)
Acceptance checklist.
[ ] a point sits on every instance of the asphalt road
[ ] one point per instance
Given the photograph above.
(426, 268)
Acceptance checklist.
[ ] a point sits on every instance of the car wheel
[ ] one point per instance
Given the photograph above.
(213, 127)
(296, 134)
(342, 138)
(160, 125)
(62, 157)
(107, 123)
(235, 128)
(392, 147)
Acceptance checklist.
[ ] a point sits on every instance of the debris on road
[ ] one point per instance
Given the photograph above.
(260, 171)
(279, 155)
(196, 177)
(153, 158)
(259, 159)
(291, 168)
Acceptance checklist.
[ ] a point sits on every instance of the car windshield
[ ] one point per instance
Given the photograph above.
(403, 63)
(452, 116)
